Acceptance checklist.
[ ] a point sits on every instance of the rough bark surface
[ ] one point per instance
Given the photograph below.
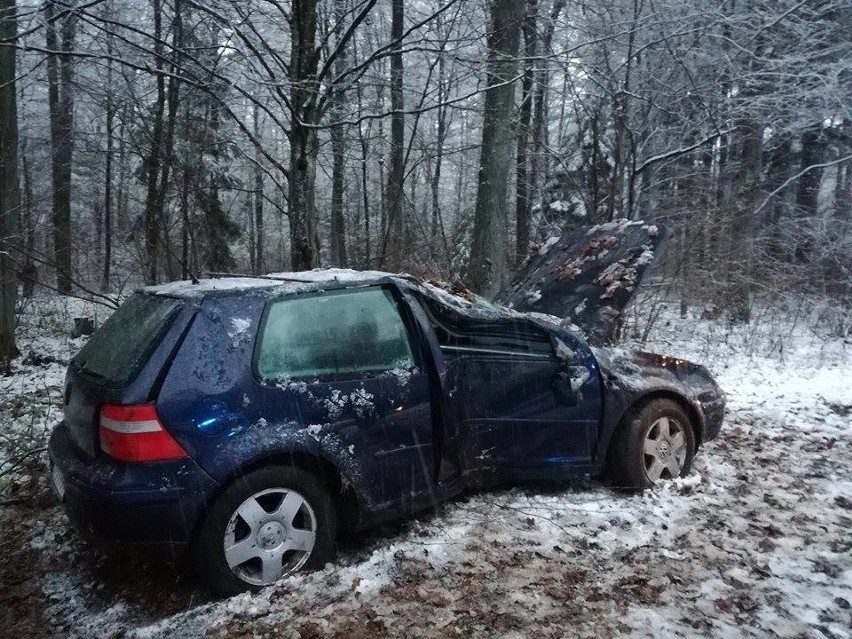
(487, 267)
(9, 191)
(60, 76)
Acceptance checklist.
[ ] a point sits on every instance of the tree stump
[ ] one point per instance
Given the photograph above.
(83, 326)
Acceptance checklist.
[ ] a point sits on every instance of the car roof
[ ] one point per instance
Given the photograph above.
(327, 279)
(282, 283)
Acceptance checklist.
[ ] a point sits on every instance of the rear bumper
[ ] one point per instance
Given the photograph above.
(114, 502)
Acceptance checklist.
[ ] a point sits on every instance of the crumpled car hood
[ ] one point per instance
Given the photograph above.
(640, 371)
(587, 276)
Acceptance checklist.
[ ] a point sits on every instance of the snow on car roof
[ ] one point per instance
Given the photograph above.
(344, 275)
(205, 286)
(304, 281)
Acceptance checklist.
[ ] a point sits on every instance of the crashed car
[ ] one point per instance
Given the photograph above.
(255, 420)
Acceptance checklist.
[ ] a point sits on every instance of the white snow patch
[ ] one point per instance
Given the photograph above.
(238, 331)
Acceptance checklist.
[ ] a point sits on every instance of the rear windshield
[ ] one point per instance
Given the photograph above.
(116, 352)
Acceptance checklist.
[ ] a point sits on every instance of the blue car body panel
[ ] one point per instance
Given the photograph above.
(399, 440)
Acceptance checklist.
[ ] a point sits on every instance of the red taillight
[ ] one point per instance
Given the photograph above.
(135, 434)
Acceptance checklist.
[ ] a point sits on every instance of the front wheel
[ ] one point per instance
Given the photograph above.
(653, 443)
(267, 525)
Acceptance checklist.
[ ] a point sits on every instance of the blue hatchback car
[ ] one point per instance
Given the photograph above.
(254, 420)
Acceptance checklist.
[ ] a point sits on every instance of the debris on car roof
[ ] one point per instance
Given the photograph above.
(586, 276)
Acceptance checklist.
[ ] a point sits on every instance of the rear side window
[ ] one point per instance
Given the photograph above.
(337, 335)
(116, 352)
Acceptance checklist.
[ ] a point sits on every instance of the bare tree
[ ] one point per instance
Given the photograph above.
(338, 149)
(522, 185)
(9, 190)
(60, 74)
(487, 266)
(396, 171)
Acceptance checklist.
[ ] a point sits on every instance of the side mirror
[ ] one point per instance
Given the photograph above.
(562, 388)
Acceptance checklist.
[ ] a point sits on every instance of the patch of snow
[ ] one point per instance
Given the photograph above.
(548, 244)
(202, 286)
(403, 375)
(238, 331)
(314, 430)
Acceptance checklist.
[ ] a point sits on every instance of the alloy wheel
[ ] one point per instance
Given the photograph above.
(664, 449)
(270, 535)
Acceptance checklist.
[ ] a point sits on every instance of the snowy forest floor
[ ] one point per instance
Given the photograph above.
(756, 541)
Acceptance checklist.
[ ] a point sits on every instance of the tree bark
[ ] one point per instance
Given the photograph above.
(741, 247)
(522, 186)
(258, 201)
(9, 189)
(60, 75)
(304, 239)
(396, 170)
(29, 271)
(487, 266)
(808, 187)
(155, 153)
(107, 224)
(538, 165)
(338, 150)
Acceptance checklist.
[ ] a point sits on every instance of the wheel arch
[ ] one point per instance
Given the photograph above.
(673, 396)
(691, 412)
(345, 497)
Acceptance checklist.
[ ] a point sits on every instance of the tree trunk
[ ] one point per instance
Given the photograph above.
(258, 201)
(487, 266)
(615, 202)
(304, 239)
(184, 233)
(154, 160)
(338, 148)
(522, 187)
(9, 191)
(775, 217)
(538, 165)
(843, 192)
(29, 271)
(168, 144)
(396, 170)
(365, 189)
(60, 74)
(440, 139)
(808, 188)
(741, 247)
(107, 225)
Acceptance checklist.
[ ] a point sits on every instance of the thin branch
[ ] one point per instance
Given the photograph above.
(788, 182)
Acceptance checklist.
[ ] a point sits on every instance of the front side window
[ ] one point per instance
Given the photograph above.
(335, 335)
(509, 336)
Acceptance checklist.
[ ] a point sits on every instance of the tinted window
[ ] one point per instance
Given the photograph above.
(116, 352)
(333, 335)
(501, 335)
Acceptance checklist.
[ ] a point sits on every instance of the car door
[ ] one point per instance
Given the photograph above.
(525, 400)
(351, 361)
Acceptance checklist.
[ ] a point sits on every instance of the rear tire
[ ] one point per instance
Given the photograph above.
(267, 525)
(654, 442)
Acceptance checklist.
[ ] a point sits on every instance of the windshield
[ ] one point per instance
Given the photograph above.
(116, 352)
